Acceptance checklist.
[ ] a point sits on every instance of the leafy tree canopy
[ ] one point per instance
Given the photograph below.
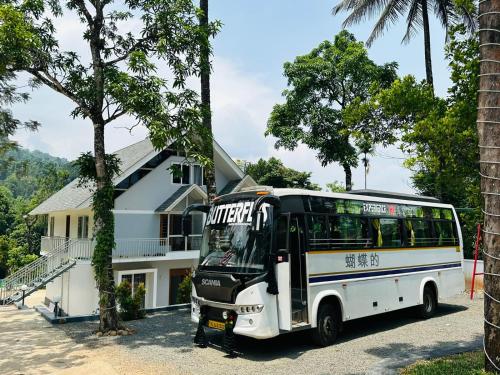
(439, 134)
(325, 102)
(273, 172)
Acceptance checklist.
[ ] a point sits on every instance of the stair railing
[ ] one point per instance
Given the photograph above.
(35, 272)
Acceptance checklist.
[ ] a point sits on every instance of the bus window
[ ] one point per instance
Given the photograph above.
(387, 232)
(349, 232)
(444, 233)
(317, 230)
(418, 232)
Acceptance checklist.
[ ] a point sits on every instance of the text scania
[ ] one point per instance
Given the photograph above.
(231, 213)
(210, 282)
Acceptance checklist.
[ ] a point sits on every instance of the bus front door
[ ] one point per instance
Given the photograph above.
(298, 284)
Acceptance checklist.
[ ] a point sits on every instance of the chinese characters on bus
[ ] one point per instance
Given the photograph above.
(362, 260)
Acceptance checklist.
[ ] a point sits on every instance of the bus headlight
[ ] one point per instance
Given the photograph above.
(250, 309)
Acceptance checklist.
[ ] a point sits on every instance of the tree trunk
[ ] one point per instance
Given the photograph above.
(427, 43)
(348, 177)
(103, 198)
(489, 143)
(104, 229)
(209, 170)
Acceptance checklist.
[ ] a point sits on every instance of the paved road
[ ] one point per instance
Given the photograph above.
(371, 345)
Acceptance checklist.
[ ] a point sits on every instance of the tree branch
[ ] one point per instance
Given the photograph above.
(80, 4)
(55, 85)
(135, 47)
(117, 113)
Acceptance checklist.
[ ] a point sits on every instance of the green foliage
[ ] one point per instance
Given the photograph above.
(130, 305)
(449, 13)
(184, 290)
(26, 179)
(19, 257)
(272, 172)
(439, 135)
(325, 105)
(335, 187)
(459, 364)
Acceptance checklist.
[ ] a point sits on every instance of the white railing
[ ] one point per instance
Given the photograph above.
(125, 247)
(35, 273)
(49, 244)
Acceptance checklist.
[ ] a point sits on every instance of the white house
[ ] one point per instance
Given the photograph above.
(150, 248)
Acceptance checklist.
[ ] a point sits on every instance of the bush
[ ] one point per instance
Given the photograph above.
(130, 305)
(184, 290)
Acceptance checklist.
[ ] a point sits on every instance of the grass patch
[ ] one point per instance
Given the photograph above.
(471, 363)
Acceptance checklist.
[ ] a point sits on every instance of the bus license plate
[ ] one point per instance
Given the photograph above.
(216, 325)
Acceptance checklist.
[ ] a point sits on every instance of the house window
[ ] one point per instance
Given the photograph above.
(175, 238)
(134, 280)
(180, 173)
(51, 226)
(83, 226)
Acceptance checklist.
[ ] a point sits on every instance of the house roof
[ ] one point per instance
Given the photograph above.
(178, 195)
(229, 187)
(72, 196)
(131, 158)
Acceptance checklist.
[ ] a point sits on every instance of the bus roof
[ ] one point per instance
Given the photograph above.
(366, 195)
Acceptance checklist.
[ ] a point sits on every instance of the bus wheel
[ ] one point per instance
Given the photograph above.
(328, 326)
(428, 308)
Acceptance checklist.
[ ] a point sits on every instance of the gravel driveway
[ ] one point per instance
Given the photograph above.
(371, 345)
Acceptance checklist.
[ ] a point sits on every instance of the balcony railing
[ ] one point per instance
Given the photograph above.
(125, 247)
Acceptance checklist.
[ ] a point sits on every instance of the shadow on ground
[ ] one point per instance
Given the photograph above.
(174, 330)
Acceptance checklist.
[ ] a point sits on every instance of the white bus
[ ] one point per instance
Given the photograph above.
(280, 260)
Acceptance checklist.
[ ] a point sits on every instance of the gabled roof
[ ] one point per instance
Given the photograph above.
(236, 185)
(132, 158)
(74, 197)
(178, 195)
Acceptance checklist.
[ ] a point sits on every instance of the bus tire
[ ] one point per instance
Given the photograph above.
(328, 326)
(428, 308)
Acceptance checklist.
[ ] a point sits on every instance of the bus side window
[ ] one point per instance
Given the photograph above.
(318, 233)
(444, 233)
(349, 232)
(418, 232)
(387, 232)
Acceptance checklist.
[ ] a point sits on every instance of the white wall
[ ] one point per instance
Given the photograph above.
(60, 222)
(468, 267)
(77, 290)
(137, 225)
(163, 274)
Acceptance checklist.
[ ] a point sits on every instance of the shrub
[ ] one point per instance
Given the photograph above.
(130, 305)
(184, 290)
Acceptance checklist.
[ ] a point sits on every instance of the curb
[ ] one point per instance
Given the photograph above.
(49, 315)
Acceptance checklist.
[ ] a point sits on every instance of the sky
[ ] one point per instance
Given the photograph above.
(256, 39)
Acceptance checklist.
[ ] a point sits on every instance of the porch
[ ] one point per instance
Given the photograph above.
(128, 249)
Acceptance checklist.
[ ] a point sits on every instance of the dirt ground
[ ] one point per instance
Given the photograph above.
(163, 345)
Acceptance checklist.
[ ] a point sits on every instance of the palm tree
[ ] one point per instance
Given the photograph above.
(417, 16)
(209, 170)
(489, 140)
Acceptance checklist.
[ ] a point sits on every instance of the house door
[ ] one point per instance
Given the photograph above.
(68, 224)
(176, 277)
(297, 241)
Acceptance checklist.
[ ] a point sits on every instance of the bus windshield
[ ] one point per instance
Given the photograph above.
(230, 244)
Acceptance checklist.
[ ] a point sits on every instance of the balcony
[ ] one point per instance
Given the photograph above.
(129, 249)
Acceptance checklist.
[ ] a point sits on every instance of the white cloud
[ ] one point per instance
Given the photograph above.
(241, 104)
